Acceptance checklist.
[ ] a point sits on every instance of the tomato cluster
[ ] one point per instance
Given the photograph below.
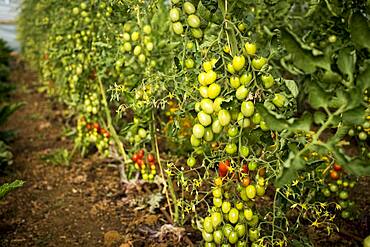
(146, 165)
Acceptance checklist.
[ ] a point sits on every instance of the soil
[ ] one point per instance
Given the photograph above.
(83, 203)
(80, 204)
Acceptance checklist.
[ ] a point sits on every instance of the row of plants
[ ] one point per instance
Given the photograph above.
(254, 115)
(6, 110)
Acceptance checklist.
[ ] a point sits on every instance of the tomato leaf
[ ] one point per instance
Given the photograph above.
(292, 86)
(317, 97)
(271, 120)
(360, 30)
(354, 116)
(290, 170)
(346, 62)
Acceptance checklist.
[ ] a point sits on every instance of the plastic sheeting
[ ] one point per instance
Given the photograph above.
(8, 13)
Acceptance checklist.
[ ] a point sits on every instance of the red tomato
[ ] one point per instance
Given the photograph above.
(96, 126)
(337, 167)
(88, 126)
(334, 175)
(140, 162)
(245, 169)
(151, 158)
(141, 153)
(223, 168)
(134, 157)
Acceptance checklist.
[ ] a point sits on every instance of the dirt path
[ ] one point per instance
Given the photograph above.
(79, 205)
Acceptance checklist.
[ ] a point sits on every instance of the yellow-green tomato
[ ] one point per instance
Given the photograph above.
(189, 8)
(224, 117)
(135, 36)
(177, 27)
(203, 91)
(195, 142)
(214, 90)
(247, 108)
(244, 151)
(268, 81)
(231, 148)
(197, 33)
(279, 100)
(207, 105)
(240, 229)
(202, 78)
(250, 48)
(218, 236)
(217, 104)
(137, 50)
(174, 14)
(233, 237)
(208, 237)
(251, 191)
(198, 131)
(264, 126)
(260, 190)
(227, 229)
(258, 63)
(147, 29)
(241, 93)
(238, 62)
(217, 202)
(248, 214)
(233, 216)
(210, 77)
(230, 68)
(204, 118)
(226, 207)
(207, 66)
(208, 135)
(189, 63)
(216, 127)
(193, 21)
(234, 82)
(246, 78)
(256, 119)
(216, 219)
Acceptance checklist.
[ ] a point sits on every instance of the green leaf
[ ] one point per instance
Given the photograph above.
(317, 97)
(363, 80)
(6, 188)
(355, 116)
(271, 120)
(346, 62)
(360, 31)
(302, 124)
(7, 110)
(290, 171)
(358, 167)
(292, 86)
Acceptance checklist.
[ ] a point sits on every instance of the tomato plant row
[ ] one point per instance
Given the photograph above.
(253, 109)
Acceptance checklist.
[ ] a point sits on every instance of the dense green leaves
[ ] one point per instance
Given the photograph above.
(360, 30)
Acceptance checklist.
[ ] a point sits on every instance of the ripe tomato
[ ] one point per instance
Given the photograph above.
(135, 157)
(337, 167)
(214, 90)
(141, 153)
(238, 62)
(250, 48)
(151, 158)
(193, 21)
(247, 108)
(223, 169)
(246, 181)
(334, 175)
(224, 117)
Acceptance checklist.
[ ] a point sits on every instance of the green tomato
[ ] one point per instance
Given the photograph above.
(175, 14)
(254, 221)
(189, 63)
(224, 117)
(258, 63)
(238, 62)
(251, 191)
(207, 105)
(268, 81)
(195, 142)
(191, 161)
(210, 77)
(193, 21)
(247, 108)
(202, 78)
(216, 219)
(233, 237)
(241, 93)
(253, 234)
(198, 131)
(226, 206)
(256, 119)
(233, 215)
(214, 90)
(234, 82)
(203, 91)
(217, 192)
(217, 104)
(207, 224)
(264, 126)
(244, 151)
(250, 48)
(344, 204)
(197, 33)
(208, 237)
(260, 190)
(227, 229)
(246, 78)
(343, 195)
(231, 148)
(208, 135)
(362, 136)
(217, 202)
(240, 229)
(232, 131)
(248, 214)
(177, 28)
(189, 8)
(216, 127)
(326, 192)
(204, 118)
(147, 29)
(345, 214)
(279, 100)
(137, 50)
(243, 121)
(218, 236)
(197, 107)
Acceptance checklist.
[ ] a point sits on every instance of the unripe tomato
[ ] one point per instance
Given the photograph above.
(204, 118)
(345, 214)
(217, 192)
(258, 63)
(217, 202)
(218, 237)
(248, 214)
(234, 82)
(241, 93)
(333, 188)
(208, 237)
(178, 28)
(268, 81)
(240, 229)
(226, 207)
(326, 192)
(216, 127)
(264, 126)
(232, 131)
(231, 148)
(198, 131)
(343, 195)
(207, 105)
(216, 219)
(247, 108)
(362, 136)
(260, 190)
(238, 62)
(137, 50)
(250, 48)
(279, 100)
(224, 117)
(189, 63)
(127, 46)
(226, 49)
(253, 234)
(203, 91)
(233, 237)
(241, 27)
(210, 77)
(251, 191)
(256, 119)
(218, 182)
(193, 21)
(189, 8)
(230, 68)
(208, 134)
(214, 90)
(202, 78)
(197, 33)
(141, 58)
(195, 142)
(135, 36)
(244, 151)
(233, 215)
(191, 161)
(207, 66)
(227, 229)
(246, 78)
(217, 104)
(246, 181)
